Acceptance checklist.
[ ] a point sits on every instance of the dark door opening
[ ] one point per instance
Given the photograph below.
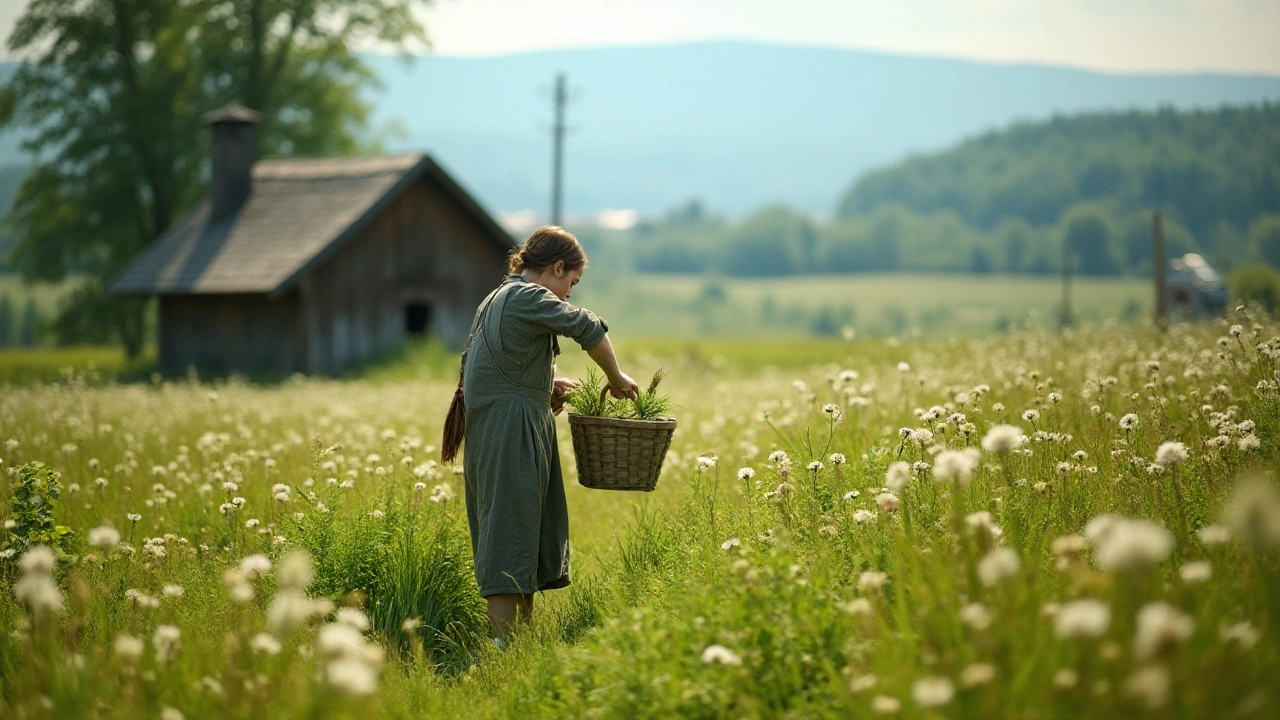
(417, 319)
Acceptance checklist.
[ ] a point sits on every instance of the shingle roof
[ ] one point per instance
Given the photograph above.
(300, 212)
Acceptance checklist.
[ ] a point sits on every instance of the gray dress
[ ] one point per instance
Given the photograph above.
(514, 488)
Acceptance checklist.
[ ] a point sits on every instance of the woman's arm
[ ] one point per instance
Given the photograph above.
(620, 385)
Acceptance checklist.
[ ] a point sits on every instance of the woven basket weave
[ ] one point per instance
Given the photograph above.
(619, 454)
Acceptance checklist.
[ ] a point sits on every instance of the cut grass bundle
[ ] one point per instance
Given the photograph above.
(591, 398)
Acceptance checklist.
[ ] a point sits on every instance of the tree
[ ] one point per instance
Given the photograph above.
(30, 324)
(114, 95)
(6, 320)
(1087, 231)
(1256, 283)
(1264, 239)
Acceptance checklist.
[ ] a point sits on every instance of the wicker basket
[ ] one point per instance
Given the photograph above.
(619, 454)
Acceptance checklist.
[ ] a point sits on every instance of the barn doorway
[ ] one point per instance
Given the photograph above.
(417, 319)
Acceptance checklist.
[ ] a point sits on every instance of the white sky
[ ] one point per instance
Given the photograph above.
(1111, 35)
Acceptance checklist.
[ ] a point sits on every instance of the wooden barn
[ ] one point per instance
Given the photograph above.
(315, 264)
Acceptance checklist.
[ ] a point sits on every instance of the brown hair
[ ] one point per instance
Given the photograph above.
(544, 248)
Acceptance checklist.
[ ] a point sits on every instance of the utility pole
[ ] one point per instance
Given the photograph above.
(1065, 320)
(557, 162)
(1157, 256)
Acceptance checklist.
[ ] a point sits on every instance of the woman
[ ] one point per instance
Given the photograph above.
(514, 488)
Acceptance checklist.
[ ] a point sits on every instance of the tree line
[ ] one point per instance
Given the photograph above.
(1018, 201)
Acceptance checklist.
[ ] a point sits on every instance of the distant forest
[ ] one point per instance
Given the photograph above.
(1014, 200)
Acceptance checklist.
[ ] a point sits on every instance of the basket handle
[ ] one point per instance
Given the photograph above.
(603, 391)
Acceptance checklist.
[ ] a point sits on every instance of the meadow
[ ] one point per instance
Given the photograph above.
(880, 304)
(1032, 525)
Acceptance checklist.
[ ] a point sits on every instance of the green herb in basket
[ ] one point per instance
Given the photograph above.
(649, 405)
(591, 398)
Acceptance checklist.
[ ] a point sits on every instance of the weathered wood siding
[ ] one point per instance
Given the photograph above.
(222, 333)
(423, 249)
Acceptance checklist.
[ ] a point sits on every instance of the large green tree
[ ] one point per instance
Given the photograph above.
(114, 91)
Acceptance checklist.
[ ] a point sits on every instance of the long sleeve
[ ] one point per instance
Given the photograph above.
(550, 312)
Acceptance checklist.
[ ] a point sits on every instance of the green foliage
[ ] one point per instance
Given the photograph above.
(1089, 236)
(1256, 284)
(30, 324)
(7, 319)
(591, 397)
(114, 91)
(1203, 167)
(36, 491)
(1264, 240)
(405, 562)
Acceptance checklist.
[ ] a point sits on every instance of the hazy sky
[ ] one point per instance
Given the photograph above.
(1114, 35)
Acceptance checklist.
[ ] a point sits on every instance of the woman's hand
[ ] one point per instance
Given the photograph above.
(624, 387)
(562, 387)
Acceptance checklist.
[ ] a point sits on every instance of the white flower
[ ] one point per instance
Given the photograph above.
(166, 641)
(1002, 438)
(977, 674)
(171, 713)
(863, 517)
(706, 462)
(862, 683)
(1171, 453)
(39, 593)
(1212, 535)
(1160, 628)
(1242, 633)
(720, 654)
(1196, 572)
(976, 616)
(885, 704)
(955, 466)
(351, 676)
(104, 536)
(933, 691)
(1129, 422)
(837, 459)
(896, 477)
(1127, 545)
(815, 466)
(872, 580)
(255, 566)
(887, 502)
(354, 617)
(1000, 564)
(746, 474)
(173, 591)
(128, 647)
(1085, 618)
(778, 456)
(731, 543)
(39, 560)
(295, 570)
(441, 493)
(265, 643)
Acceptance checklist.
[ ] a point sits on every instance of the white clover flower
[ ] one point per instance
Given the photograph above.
(354, 617)
(1161, 627)
(706, 462)
(39, 560)
(746, 474)
(977, 674)
(731, 543)
(1129, 422)
(1002, 438)
(862, 517)
(255, 566)
(837, 459)
(955, 466)
(815, 466)
(872, 580)
(128, 647)
(1242, 633)
(976, 616)
(1171, 453)
(719, 654)
(1084, 618)
(1127, 545)
(166, 642)
(172, 591)
(1212, 535)
(933, 691)
(1196, 572)
(265, 643)
(862, 683)
(295, 570)
(885, 704)
(998, 565)
(887, 502)
(896, 477)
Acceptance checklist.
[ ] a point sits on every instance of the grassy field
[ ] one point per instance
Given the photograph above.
(1083, 525)
(886, 304)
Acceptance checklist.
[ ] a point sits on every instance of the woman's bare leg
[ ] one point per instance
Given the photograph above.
(507, 610)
